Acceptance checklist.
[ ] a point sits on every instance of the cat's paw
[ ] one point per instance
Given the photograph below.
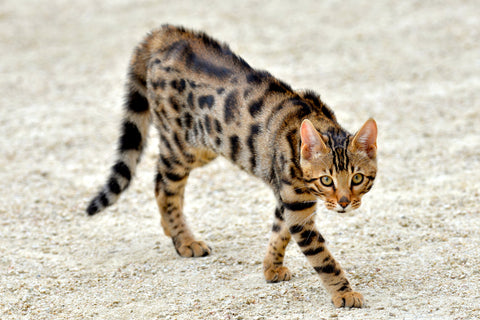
(194, 249)
(350, 299)
(277, 274)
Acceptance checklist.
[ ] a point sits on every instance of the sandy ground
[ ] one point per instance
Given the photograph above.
(412, 249)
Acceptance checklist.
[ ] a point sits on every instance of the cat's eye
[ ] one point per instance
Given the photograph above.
(326, 181)
(357, 179)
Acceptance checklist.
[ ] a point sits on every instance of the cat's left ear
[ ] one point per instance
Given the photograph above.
(366, 138)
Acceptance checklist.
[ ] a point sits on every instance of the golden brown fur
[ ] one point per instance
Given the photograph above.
(205, 101)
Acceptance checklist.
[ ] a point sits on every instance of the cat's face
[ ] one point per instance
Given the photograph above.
(339, 172)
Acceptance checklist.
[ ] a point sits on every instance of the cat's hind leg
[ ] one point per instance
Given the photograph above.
(169, 193)
(172, 173)
(273, 268)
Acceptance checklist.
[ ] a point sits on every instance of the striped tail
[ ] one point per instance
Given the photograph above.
(132, 141)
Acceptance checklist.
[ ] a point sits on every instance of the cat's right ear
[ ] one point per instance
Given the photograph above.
(312, 142)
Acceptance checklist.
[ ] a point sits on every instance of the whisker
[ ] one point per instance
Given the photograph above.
(304, 222)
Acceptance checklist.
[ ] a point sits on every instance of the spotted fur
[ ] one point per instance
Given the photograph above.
(206, 101)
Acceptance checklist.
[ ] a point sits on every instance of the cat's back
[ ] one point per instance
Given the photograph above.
(186, 51)
(203, 93)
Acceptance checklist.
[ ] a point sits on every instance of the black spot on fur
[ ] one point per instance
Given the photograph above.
(188, 120)
(190, 101)
(254, 131)
(113, 186)
(294, 144)
(158, 182)
(279, 214)
(174, 104)
(178, 142)
(178, 85)
(122, 169)
(159, 84)
(136, 102)
(257, 77)
(345, 286)
(255, 107)
(208, 123)
(92, 208)
(165, 142)
(165, 162)
(200, 126)
(304, 108)
(296, 229)
(329, 268)
(298, 206)
(278, 87)
(206, 101)
(327, 112)
(102, 197)
(179, 122)
(319, 105)
(169, 193)
(218, 126)
(234, 147)
(131, 138)
(307, 237)
(198, 64)
(312, 252)
(275, 227)
(231, 107)
(174, 177)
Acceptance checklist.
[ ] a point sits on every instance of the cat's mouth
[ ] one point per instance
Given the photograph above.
(340, 209)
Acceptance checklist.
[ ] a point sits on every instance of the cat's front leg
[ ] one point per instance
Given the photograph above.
(299, 217)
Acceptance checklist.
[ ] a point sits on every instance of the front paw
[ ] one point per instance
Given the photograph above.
(277, 274)
(350, 299)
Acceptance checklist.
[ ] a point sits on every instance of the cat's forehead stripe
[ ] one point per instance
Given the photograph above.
(338, 141)
(340, 159)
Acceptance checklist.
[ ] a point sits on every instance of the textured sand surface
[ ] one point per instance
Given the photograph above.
(412, 249)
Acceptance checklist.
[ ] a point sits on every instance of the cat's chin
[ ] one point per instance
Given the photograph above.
(340, 209)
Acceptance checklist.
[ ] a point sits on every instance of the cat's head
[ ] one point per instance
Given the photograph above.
(338, 167)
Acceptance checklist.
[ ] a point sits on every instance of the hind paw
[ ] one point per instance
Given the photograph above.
(194, 249)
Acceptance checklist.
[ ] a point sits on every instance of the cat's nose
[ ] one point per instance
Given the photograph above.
(344, 202)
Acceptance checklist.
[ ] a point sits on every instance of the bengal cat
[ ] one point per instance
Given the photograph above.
(206, 101)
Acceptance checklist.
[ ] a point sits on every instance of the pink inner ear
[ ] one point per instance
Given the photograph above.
(311, 141)
(366, 138)
(309, 134)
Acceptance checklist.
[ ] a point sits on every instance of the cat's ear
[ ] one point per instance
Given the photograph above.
(366, 139)
(312, 142)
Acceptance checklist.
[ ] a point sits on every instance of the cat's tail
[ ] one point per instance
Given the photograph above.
(133, 133)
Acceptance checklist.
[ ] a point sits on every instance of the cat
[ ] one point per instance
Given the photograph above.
(206, 101)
